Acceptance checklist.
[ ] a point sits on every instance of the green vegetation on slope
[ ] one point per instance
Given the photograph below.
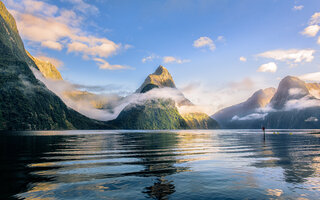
(152, 114)
(25, 103)
(200, 121)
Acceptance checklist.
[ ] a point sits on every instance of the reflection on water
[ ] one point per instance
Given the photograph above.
(161, 189)
(224, 164)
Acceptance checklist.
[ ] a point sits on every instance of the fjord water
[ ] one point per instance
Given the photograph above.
(189, 164)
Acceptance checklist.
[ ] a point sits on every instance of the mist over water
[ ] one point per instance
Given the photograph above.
(189, 164)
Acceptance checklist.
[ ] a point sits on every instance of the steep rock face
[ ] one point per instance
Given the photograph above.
(314, 89)
(200, 121)
(46, 68)
(25, 103)
(259, 99)
(289, 88)
(159, 79)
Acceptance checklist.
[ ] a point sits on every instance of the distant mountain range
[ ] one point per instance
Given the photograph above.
(294, 104)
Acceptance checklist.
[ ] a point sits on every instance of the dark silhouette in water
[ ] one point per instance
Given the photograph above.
(160, 190)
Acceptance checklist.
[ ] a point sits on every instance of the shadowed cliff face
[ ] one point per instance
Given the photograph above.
(26, 103)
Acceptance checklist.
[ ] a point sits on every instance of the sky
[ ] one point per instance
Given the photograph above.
(218, 51)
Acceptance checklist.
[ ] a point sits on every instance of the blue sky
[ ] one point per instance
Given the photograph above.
(200, 42)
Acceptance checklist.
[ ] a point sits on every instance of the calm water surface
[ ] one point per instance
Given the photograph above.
(219, 164)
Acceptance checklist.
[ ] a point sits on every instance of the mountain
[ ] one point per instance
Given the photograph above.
(46, 68)
(290, 88)
(152, 114)
(159, 110)
(25, 102)
(258, 100)
(159, 79)
(293, 105)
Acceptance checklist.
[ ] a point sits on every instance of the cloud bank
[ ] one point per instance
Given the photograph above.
(45, 24)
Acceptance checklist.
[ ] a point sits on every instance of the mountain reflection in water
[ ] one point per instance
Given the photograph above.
(193, 164)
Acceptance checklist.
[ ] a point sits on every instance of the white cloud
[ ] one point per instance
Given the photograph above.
(300, 7)
(84, 7)
(243, 59)
(52, 45)
(92, 46)
(314, 77)
(311, 119)
(315, 19)
(268, 67)
(311, 30)
(149, 58)
(221, 38)
(204, 42)
(56, 29)
(302, 103)
(171, 59)
(252, 116)
(105, 65)
(295, 55)
(297, 92)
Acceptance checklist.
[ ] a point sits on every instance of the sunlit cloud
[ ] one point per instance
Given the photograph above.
(291, 55)
(52, 45)
(311, 30)
(92, 46)
(103, 64)
(315, 18)
(204, 42)
(314, 77)
(58, 29)
(171, 59)
(268, 67)
(243, 59)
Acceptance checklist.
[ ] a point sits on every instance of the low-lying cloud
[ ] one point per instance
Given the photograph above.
(107, 106)
(253, 116)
